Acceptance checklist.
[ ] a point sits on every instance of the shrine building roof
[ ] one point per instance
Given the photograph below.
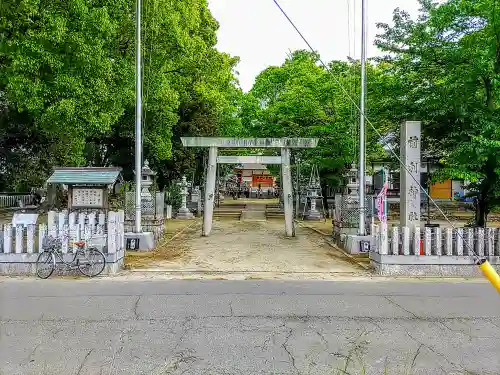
(84, 176)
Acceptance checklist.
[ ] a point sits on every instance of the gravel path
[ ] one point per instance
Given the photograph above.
(252, 247)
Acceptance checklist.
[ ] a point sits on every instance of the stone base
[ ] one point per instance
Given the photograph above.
(184, 214)
(353, 243)
(25, 264)
(437, 266)
(146, 240)
(314, 215)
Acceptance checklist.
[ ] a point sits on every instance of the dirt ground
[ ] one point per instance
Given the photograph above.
(246, 247)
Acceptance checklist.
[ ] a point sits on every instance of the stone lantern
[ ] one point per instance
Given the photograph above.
(147, 199)
(147, 179)
(353, 185)
(184, 212)
(314, 193)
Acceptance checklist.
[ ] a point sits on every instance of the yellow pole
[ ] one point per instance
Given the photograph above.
(490, 273)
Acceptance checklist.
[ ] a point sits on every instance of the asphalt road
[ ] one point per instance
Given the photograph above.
(111, 326)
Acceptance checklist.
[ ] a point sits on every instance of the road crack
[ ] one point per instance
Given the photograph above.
(136, 305)
(285, 348)
(401, 307)
(80, 368)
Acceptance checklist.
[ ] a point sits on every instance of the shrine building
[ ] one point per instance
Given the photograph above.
(254, 175)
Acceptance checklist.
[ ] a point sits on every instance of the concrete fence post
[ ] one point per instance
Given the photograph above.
(416, 241)
(42, 234)
(449, 242)
(30, 238)
(480, 242)
(19, 238)
(395, 241)
(7, 238)
(460, 242)
(428, 241)
(439, 241)
(406, 241)
(490, 242)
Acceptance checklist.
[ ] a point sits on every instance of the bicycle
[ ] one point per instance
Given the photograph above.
(89, 257)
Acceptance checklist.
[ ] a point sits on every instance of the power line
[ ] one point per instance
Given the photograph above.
(349, 97)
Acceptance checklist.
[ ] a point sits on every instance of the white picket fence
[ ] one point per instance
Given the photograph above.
(436, 241)
(103, 231)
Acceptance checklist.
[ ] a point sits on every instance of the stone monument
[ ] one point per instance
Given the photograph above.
(410, 177)
(184, 213)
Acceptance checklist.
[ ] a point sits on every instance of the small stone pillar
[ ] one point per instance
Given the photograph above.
(184, 212)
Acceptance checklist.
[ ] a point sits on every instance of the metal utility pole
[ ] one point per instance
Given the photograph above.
(297, 192)
(138, 120)
(362, 184)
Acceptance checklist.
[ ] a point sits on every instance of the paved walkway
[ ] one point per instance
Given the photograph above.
(257, 247)
(110, 326)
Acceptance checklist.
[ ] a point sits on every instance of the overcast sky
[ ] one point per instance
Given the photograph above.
(257, 32)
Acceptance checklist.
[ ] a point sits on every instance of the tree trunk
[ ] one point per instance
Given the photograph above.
(481, 211)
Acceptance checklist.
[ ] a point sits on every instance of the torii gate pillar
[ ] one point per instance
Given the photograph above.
(210, 180)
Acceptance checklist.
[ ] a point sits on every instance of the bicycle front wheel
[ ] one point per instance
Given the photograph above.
(93, 263)
(45, 264)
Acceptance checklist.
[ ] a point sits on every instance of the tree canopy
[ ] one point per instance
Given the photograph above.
(303, 99)
(67, 83)
(447, 64)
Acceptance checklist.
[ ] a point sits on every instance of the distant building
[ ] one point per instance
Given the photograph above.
(253, 175)
(447, 189)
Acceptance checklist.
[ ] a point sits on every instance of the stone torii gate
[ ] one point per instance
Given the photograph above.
(214, 143)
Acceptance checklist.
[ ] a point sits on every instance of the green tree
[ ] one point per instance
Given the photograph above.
(302, 99)
(67, 84)
(445, 71)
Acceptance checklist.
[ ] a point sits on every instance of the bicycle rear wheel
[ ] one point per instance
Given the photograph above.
(45, 264)
(93, 263)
